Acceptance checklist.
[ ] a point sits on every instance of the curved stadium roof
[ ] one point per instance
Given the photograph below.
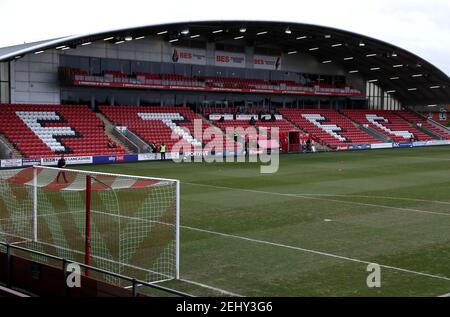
(411, 79)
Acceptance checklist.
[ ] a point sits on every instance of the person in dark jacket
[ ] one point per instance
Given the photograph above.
(61, 164)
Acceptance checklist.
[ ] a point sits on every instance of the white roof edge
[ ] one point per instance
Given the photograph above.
(39, 46)
(54, 42)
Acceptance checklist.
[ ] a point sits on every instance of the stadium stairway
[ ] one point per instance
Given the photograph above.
(369, 130)
(50, 130)
(171, 125)
(428, 126)
(109, 127)
(388, 123)
(10, 146)
(328, 127)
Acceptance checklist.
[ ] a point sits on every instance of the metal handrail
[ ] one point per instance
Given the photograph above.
(135, 282)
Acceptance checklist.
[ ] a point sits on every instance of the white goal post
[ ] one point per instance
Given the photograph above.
(120, 223)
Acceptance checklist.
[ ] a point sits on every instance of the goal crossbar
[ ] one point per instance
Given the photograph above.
(104, 174)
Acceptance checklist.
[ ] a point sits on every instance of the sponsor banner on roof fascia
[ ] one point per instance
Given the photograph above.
(381, 146)
(188, 56)
(267, 62)
(11, 163)
(70, 160)
(229, 59)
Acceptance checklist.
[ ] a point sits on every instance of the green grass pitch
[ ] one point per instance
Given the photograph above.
(311, 228)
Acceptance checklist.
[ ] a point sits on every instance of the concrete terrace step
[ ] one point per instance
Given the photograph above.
(15, 152)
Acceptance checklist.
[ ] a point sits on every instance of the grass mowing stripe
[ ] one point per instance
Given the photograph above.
(322, 199)
(317, 252)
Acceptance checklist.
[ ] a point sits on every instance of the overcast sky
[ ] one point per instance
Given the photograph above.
(420, 26)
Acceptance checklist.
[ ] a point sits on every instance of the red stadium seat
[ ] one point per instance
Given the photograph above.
(155, 130)
(333, 129)
(88, 136)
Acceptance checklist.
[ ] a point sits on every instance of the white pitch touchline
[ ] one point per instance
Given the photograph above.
(323, 199)
(219, 290)
(445, 295)
(317, 252)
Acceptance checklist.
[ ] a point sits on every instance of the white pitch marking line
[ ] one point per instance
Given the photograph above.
(317, 252)
(381, 197)
(445, 295)
(155, 282)
(219, 290)
(216, 289)
(323, 199)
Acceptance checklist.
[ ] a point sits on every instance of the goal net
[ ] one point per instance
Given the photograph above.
(123, 224)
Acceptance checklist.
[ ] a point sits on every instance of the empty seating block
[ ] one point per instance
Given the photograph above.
(261, 127)
(50, 130)
(205, 81)
(174, 126)
(388, 123)
(328, 126)
(412, 117)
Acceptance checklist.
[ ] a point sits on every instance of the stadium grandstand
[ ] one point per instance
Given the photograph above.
(189, 89)
(69, 95)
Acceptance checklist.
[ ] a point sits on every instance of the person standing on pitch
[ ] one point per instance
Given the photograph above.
(247, 148)
(162, 150)
(61, 164)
